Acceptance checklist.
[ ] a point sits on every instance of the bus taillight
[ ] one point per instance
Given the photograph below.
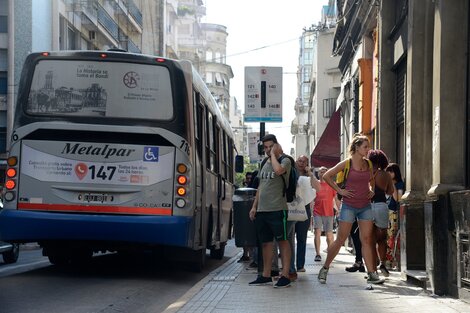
(182, 168)
(181, 191)
(10, 184)
(11, 172)
(182, 180)
(12, 161)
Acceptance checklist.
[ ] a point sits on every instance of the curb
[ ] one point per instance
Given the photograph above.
(184, 299)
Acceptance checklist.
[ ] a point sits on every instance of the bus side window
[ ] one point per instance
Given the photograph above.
(217, 151)
(210, 151)
(230, 160)
(224, 155)
(199, 125)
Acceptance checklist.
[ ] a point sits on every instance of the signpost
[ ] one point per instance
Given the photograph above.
(263, 96)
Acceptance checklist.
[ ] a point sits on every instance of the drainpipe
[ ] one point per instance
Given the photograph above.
(55, 25)
(11, 71)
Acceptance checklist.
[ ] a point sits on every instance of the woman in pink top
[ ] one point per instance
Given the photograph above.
(358, 191)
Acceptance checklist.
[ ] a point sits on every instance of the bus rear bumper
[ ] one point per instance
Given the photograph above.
(32, 226)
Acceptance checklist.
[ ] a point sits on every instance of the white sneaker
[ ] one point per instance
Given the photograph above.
(373, 278)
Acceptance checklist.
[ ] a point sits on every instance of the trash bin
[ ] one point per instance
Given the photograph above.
(243, 227)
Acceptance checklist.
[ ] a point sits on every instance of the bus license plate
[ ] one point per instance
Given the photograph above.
(95, 198)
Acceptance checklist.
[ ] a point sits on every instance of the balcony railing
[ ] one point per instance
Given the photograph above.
(108, 23)
(329, 107)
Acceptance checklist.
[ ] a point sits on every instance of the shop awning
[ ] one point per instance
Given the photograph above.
(327, 151)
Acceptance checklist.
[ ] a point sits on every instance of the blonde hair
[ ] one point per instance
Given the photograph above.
(357, 141)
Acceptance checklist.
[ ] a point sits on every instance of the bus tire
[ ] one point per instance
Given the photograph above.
(218, 254)
(59, 258)
(199, 261)
(11, 256)
(81, 256)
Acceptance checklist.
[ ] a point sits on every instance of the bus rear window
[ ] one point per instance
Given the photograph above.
(107, 89)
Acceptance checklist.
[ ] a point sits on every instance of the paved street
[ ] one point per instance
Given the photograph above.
(226, 290)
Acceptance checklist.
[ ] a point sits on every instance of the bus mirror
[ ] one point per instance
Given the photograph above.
(239, 163)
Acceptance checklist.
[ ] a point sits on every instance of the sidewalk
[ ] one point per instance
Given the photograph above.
(226, 290)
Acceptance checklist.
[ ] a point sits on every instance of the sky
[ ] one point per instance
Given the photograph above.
(268, 31)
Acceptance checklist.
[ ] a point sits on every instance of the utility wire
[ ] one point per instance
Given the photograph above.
(252, 50)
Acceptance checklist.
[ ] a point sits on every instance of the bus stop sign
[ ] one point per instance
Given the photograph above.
(263, 94)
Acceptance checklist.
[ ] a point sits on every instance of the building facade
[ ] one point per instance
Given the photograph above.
(318, 84)
(216, 72)
(168, 28)
(405, 84)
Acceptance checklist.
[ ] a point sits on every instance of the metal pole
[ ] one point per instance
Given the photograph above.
(11, 72)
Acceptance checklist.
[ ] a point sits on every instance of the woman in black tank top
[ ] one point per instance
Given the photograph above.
(383, 186)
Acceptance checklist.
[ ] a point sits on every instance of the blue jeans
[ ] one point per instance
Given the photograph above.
(291, 238)
(301, 230)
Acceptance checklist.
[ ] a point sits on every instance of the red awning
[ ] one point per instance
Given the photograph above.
(327, 151)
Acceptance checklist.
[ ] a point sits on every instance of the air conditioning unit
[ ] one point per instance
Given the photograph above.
(92, 35)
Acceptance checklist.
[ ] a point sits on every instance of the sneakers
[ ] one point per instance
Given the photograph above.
(356, 267)
(384, 270)
(318, 258)
(253, 265)
(261, 280)
(283, 282)
(322, 275)
(293, 276)
(244, 258)
(301, 270)
(373, 278)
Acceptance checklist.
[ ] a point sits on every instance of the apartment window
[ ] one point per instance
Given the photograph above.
(307, 72)
(3, 83)
(218, 59)
(3, 60)
(3, 24)
(306, 89)
(308, 56)
(209, 55)
(218, 79)
(70, 39)
(209, 78)
(3, 16)
(308, 41)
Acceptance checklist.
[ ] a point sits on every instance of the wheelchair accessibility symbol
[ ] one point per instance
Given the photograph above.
(150, 154)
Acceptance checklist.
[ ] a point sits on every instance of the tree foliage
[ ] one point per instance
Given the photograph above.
(248, 167)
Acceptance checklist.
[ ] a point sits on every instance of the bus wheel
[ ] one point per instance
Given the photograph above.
(59, 258)
(11, 256)
(81, 256)
(199, 260)
(218, 254)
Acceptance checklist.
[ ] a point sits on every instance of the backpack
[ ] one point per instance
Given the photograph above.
(342, 176)
(290, 187)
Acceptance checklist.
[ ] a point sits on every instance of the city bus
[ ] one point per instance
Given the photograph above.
(144, 162)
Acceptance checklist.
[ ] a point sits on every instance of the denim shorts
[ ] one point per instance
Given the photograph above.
(380, 210)
(349, 214)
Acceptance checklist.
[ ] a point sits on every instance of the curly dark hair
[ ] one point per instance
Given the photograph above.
(378, 158)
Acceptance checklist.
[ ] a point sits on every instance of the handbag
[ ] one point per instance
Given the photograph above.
(296, 210)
